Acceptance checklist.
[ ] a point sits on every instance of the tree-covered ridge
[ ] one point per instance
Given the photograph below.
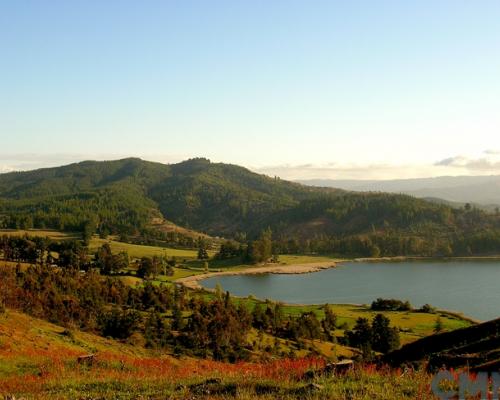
(79, 177)
(108, 196)
(225, 199)
(195, 193)
(124, 196)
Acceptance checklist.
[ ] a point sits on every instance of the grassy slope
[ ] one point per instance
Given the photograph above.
(413, 325)
(38, 361)
(50, 233)
(133, 250)
(477, 346)
(138, 251)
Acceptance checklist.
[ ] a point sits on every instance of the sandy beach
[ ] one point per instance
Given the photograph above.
(193, 282)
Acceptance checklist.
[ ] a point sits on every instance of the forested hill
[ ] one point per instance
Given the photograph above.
(128, 193)
(124, 196)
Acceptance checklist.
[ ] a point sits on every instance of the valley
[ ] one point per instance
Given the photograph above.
(249, 200)
(159, 268)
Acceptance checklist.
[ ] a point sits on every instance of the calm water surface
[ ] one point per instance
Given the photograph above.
(470, 287)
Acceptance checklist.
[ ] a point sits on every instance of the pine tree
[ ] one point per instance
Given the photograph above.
(329, 323)
(438, 326)
(384, 338)
(177, 318)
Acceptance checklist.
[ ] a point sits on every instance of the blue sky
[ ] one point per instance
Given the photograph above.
(352, 89)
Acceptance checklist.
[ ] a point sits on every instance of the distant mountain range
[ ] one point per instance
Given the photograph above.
(481, 190)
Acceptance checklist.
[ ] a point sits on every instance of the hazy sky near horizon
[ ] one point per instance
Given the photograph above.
(300, 89)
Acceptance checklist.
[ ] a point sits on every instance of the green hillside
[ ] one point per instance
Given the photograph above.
(125, 196)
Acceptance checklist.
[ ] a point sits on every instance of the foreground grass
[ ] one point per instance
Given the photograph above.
(38, 361)
(357, 385)
(363, 383)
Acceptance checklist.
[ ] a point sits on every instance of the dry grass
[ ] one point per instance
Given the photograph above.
(39, 360)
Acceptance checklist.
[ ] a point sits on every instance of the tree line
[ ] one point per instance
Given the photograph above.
(268, 246)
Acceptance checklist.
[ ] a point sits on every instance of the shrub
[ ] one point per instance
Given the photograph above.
(391, 305)
(427, 308)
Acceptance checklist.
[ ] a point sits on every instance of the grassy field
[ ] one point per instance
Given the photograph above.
(12, 264)
(289, 259)
(323, 348)
(52, 234)
(413, 325)
(138, 251)
(134, 251)
(38, 360)
(237, 265)
(178, 273)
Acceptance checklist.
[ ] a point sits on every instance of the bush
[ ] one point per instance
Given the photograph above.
(391, 305)
(427, 308)
(377, 336)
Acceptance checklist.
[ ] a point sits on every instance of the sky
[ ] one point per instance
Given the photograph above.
(300, 89)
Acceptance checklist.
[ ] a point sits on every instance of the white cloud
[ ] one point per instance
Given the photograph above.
(358, 171)
(487, 162)
(456, 161)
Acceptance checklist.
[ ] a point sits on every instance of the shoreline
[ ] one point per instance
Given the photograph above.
(425, 258)
(193, 281)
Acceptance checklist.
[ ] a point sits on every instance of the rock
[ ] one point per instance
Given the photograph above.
(308, 389)
(310, 374)
(314, 387)
(213, 387)
(340, 367)
(86, 360)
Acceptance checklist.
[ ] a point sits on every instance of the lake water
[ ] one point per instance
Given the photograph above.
(469, 287)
